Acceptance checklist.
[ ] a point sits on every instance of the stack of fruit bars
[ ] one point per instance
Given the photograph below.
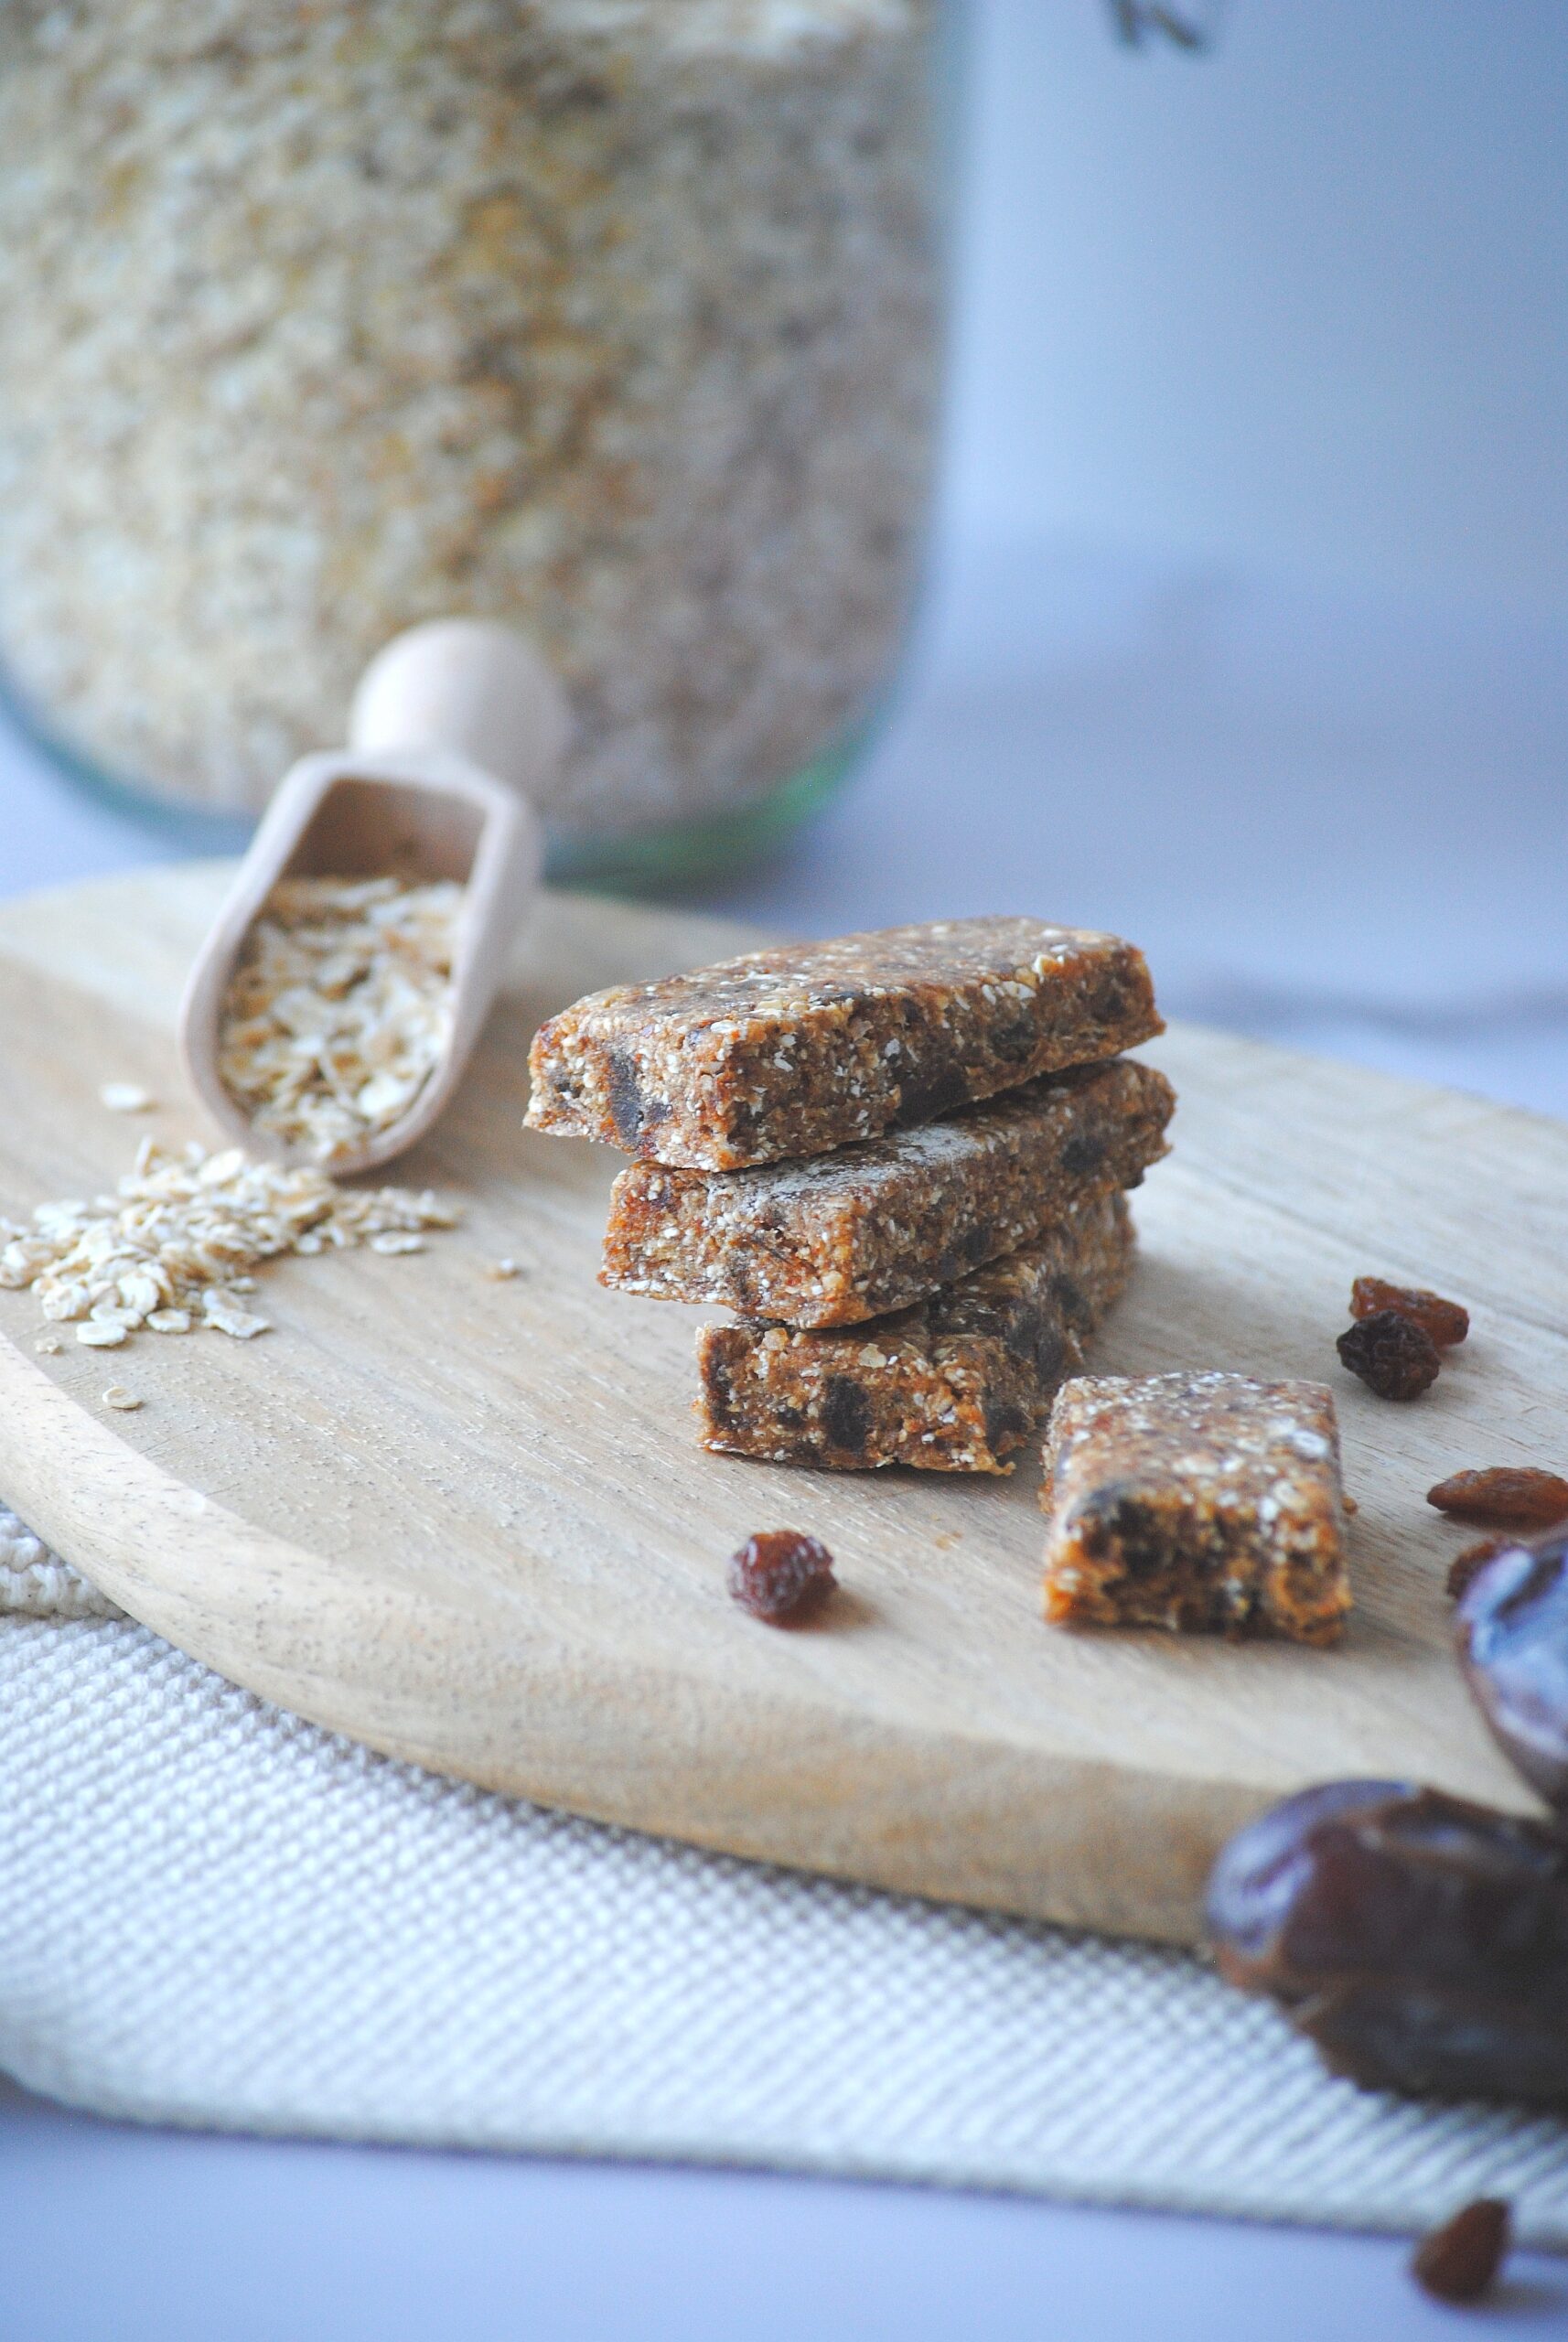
(900, 1157)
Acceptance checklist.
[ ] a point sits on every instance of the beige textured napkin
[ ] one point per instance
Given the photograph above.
(211, 1913)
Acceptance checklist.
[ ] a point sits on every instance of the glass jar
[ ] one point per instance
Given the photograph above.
(616, 319)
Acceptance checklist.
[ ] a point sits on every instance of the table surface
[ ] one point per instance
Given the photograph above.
(1331, 821)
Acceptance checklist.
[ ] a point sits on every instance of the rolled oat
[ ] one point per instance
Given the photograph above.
(617, 319)
(172, 1250)
(339, 1008)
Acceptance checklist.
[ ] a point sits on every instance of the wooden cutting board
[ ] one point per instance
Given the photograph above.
(467, 1521)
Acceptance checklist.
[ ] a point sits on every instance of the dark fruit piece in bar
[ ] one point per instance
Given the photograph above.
(1513, 1632)
(1390, 1354)
(1421, 1942)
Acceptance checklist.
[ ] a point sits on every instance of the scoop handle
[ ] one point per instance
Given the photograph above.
(470, 685)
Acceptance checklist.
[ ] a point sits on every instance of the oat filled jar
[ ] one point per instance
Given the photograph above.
(618, 319)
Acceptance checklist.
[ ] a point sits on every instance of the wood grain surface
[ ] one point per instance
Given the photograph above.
(467, 1521)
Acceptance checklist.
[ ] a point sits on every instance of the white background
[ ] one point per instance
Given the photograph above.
(1299, 304)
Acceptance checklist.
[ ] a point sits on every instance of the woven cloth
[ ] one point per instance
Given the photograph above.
(213, 1914)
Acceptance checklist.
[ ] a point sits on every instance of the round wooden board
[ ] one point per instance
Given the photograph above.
(467, 1520)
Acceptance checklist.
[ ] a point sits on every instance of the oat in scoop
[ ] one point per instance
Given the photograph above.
(340, 1009)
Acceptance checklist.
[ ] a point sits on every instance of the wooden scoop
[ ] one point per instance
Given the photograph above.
(454, 726)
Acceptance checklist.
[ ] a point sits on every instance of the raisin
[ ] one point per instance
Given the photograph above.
(1390, 1353)
(780, 1575)
(1513, 1632)
(1509, 1495)
(1458, 2261)
(1420, 1941)
(1443, 1322)
(1464, 1567)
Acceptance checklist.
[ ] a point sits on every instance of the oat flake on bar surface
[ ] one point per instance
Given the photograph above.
(339, 1008)
(173, 1249)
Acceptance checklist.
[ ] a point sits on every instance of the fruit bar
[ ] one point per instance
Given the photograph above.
(798, 1050)
(953, 1384)
(874, 1228)
(1196, 1501)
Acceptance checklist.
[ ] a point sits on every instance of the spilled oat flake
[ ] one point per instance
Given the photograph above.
(173, 1249)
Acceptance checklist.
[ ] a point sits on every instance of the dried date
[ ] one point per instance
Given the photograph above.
(1458, 2261)
(1421, 1942)
(1464, 1567)
(1390, 1354)
(1513, 1633)
(780, 1575)
(1443, 1322)
(1508, 1496)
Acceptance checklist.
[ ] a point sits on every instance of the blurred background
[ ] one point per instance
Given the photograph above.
(1249, 634)
(1246, 614)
